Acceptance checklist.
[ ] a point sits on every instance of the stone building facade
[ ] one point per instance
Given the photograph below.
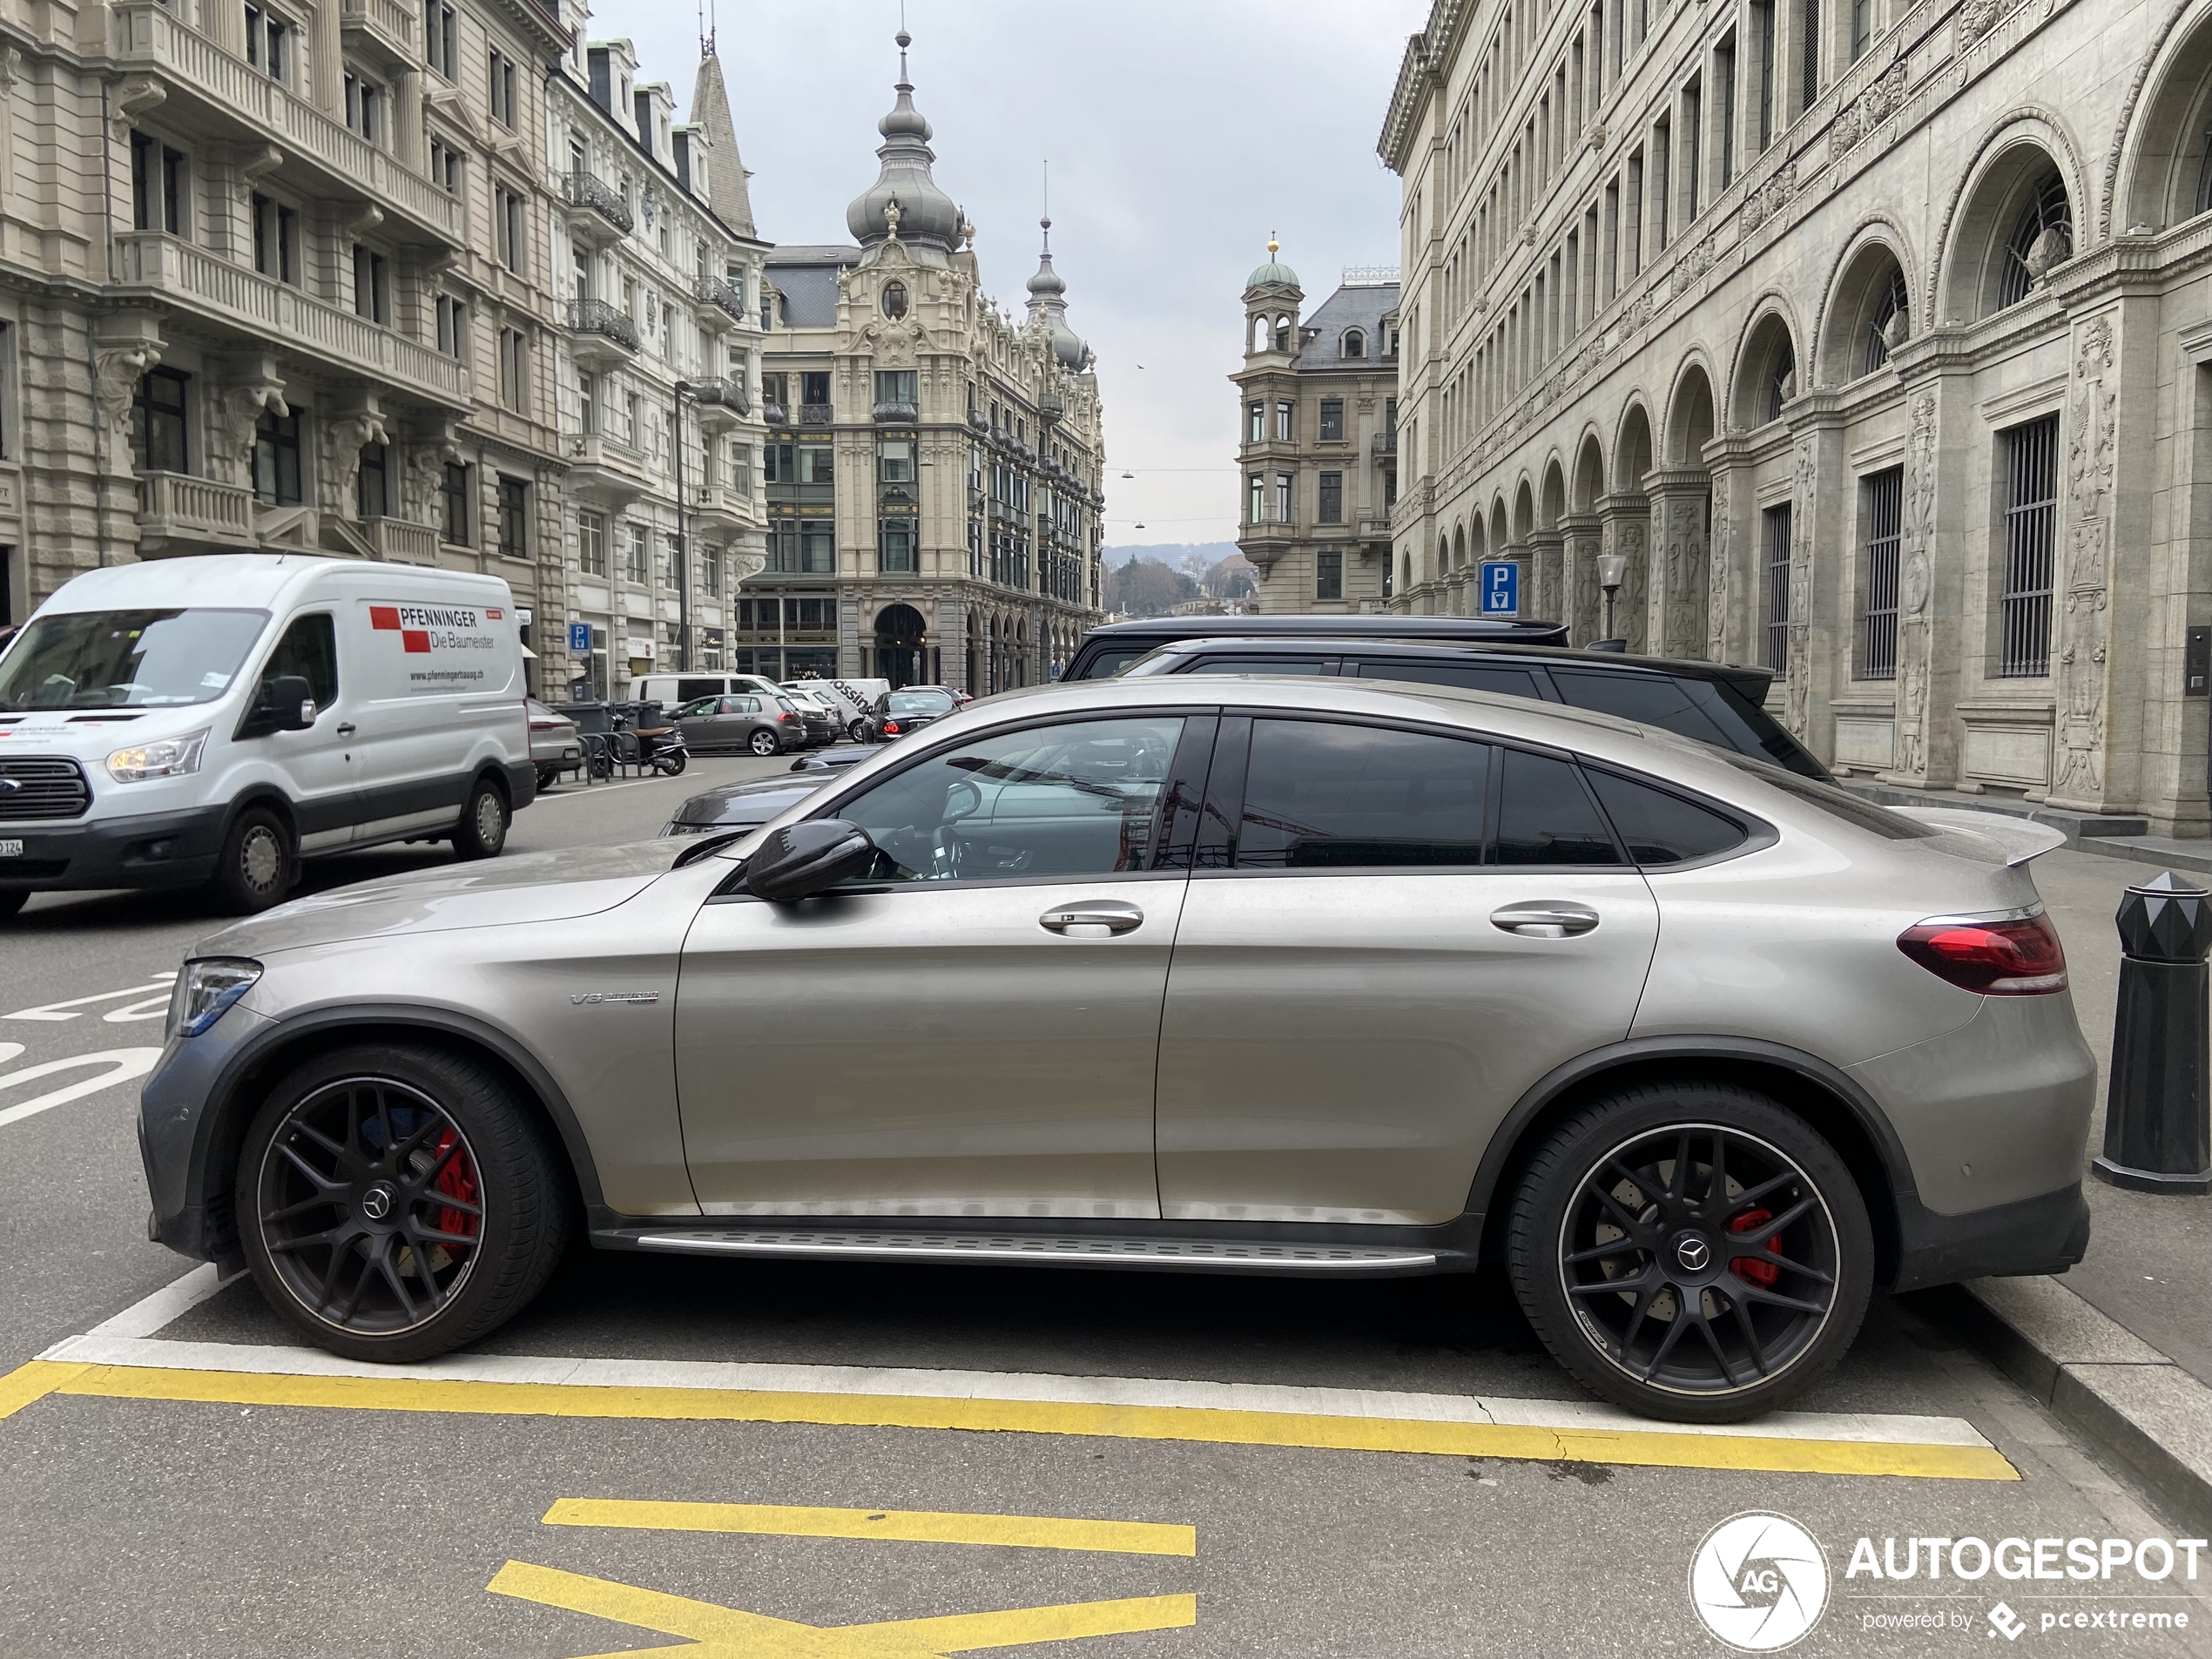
(659, 366)
(934, 471)
(273, 276)
(1317, 441)
(1876, 337)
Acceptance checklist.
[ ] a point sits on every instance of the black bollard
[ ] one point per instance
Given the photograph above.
(2157, 1135)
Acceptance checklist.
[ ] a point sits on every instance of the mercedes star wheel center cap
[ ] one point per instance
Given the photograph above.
(1693, 1251)
(376, 1203)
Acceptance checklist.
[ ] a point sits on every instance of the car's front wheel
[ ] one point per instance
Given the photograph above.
(1691, 1250)
(858, 730)
(395, 1202)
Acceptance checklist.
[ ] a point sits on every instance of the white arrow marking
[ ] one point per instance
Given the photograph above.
(122, 1064)
(60, 1010)
(154, 1008)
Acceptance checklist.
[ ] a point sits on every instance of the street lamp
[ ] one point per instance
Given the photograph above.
(1612, 570)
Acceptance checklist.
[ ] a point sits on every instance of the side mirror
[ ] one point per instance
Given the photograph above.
(800, 860)
(287, 704)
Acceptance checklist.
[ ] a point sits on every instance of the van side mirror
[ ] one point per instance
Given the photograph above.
(801, 859)
(287, 704)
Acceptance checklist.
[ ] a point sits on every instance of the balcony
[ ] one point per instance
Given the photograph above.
(174, 507)
(721, 306)
(602, 337)
(816, 414)
(1271, 527)
(262, 312)
(606, 470)
(399, 543)
(382, 30)
(896, 414)
(597, 215)
(1051, 406)
(721, 403)
(148, 38)
(775, 414)
(718, 508)
(1386, 441)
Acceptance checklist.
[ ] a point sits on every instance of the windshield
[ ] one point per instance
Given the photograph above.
(920, 702)
(127, 660)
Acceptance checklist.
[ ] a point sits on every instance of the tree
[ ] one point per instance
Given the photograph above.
(1147, 588)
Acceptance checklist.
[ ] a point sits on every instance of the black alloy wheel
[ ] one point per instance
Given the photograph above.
(1692, 1252)
(395, 1204)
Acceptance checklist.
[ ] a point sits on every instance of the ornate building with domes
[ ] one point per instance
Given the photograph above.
(934, 467)
(1318, 440)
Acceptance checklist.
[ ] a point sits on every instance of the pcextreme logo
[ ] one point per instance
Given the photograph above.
(1759, 1582)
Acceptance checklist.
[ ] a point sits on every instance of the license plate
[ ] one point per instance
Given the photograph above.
(11, 849)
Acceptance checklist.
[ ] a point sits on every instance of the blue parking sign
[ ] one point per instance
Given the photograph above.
(579, 638)
(1500, 588)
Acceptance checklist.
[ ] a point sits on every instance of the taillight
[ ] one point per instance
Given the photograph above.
(2014, 957)
(547, 725)
(891, 728)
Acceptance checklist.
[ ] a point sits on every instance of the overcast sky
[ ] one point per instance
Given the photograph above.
(1180, 132)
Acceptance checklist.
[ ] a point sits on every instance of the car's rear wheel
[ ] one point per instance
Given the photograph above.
(483, 829)
(254, 869)
(548, 776)
(766, 743)
(858, 730)
(395, 1202)
(1691, 1250)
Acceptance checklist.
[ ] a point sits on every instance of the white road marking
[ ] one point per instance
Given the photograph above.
(166, 1306)
(70, 1009)
(123, 1065)
(154, 1008)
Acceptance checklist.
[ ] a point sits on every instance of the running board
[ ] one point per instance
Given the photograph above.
(1041, 1250)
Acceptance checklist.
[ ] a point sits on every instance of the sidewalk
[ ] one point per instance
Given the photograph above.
(2122, 1346)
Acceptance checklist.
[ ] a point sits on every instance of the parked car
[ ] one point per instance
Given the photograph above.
(1306, 976)
(1105, 651)
(854, 699)
(675, 689)
(765, 726)
(1714, 703)
(745, 806)
(216, 719)
(556, 742)
(831, 759)
(902, 713)
(825, 715)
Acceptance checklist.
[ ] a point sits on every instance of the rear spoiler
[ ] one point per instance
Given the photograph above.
(2001, 838)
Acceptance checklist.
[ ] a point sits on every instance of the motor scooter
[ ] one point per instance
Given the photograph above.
(660, 745)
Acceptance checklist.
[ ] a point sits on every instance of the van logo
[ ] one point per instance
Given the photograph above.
(414, 623)
(8, 786)
(579, 999)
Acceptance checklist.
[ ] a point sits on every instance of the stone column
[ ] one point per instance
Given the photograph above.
(1734, 628)
(1625, 518)
(1916, 608)
(1681, 505)
(2082, 661)
(1581, 605)
(1820, 633)
(1544, 595)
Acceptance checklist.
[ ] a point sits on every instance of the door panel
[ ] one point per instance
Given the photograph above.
(1340, 1047)
(318, 762)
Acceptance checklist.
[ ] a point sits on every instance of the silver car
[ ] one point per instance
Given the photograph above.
(1277, 976)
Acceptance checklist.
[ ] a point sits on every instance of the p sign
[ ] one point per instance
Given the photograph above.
(579, 639)
(1501, 588)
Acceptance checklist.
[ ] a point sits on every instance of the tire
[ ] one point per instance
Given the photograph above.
(483, 829)
(765, 743)
(548, 776)
(858, 732)
(1776, 1304)
(255, 868)
(672, 765)
(432, 1137)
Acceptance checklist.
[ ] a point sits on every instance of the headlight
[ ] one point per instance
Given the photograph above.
(205, 988)
(168, 758)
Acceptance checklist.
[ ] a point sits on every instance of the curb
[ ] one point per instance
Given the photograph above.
(2100, 1379)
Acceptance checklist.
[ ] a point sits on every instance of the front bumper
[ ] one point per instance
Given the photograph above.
(145, 850)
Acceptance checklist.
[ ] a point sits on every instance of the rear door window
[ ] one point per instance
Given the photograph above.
(1546, 815)
(1473, 676)
(1659, 827)
(1324, 796)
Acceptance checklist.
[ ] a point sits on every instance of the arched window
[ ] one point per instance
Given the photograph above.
(1891, 325)
(1355, 343)
(1282, 334)
(1780, 379)
(2042, 237)
(895, 300)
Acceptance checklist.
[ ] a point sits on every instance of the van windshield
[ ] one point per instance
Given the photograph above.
(127, 660)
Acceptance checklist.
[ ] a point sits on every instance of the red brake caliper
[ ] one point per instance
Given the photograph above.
(457, 1180)
(1751, 1269)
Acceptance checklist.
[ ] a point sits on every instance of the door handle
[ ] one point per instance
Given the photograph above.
(346, 729)
(1092, 919)
(1544, 919)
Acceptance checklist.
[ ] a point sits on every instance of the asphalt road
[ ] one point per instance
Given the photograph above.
(912, 1447)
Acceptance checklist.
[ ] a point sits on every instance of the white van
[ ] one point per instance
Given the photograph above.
(213, 719)
(670, 690)
(857, 696)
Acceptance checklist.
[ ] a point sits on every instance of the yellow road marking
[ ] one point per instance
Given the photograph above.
(908, 1525)
(718, 1632)
(30, 1382)
(1655, 1448)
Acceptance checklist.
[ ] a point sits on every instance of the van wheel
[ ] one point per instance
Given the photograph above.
(1691, 1250)
(395, 1202)
(482, 830)
(255, 870)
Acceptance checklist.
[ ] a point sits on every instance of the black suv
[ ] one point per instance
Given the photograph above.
(1106, 651)
(1715, 703)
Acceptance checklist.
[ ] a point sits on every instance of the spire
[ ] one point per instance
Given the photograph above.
(1047, 302)
(924, 213)
(725, 187)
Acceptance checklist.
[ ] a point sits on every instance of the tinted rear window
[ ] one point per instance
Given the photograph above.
(1658, 826)
(1322, 796)
(1107, 663)
(1472, 676)
(1692, 708)
(1545, 816)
